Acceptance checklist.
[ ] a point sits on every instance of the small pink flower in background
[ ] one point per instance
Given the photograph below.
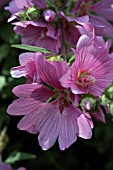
(92, 70)
(104, 12)
(88, 29)
(21, 9)
(16, 6)
(40, 34)
(71, 32)
(104, 9)
(52, 113)
(5, 166)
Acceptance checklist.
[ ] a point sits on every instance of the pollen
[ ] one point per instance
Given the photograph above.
(85, 79)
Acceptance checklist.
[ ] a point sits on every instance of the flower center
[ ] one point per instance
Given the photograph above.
(43, 34)
(85, 79)
(62, 102)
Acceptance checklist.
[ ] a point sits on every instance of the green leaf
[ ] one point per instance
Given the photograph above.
(111, 108)
(31, 48)
(19, 156)
(71, 60)
(104, 100)
(2, 82)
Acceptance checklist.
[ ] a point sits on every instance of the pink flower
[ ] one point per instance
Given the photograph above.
(5, 166)
(88, 29)
(104, 12)
(16, 6)
(71, 32)
(92, 70)
(104, 9)
(40, 34)
(27, 67)
(50, 110)
(21, 9)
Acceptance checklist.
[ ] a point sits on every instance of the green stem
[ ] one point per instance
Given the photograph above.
(63, 42)
(0, 158)
(68, 5)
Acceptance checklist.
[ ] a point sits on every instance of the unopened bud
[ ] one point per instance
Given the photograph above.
(88, 104)
(29, 14)
(49, 15)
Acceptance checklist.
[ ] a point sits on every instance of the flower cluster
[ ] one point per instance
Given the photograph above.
(63, 88)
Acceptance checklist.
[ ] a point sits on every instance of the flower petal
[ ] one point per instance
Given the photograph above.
(99, 115)
(69, 128)
(40, 3)
(30, 97)
(17, 72)
(51, 72)
(104, 9)
(99, 21)
(84, 126)
(50, 126)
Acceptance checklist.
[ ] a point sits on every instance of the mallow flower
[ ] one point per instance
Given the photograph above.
(70, 30)
(103, 10)
(39, 33)
(50, 109)
(92, 70)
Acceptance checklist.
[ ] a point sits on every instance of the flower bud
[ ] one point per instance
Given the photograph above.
(29, 14)
(88, 104)
(49, 15)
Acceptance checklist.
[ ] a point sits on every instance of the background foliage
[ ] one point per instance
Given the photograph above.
(22, 148)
